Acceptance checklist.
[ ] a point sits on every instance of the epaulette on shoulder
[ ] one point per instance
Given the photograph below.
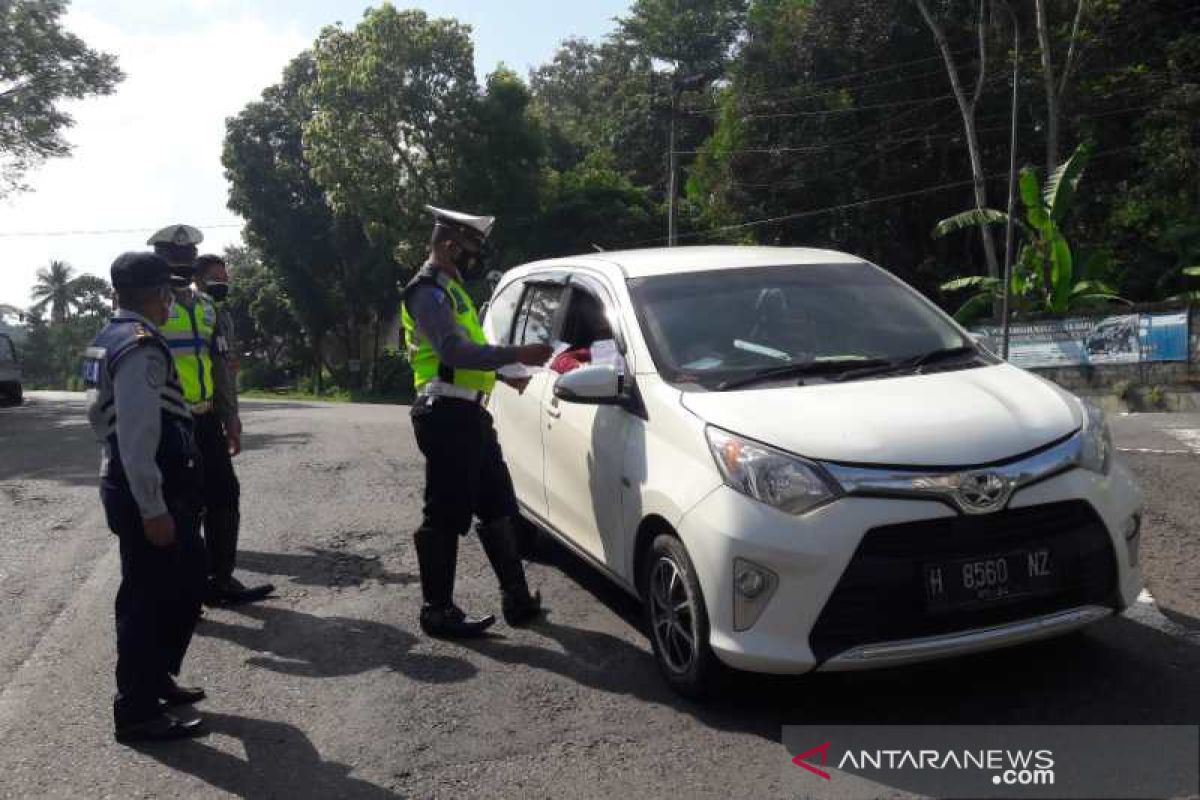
(141, 332)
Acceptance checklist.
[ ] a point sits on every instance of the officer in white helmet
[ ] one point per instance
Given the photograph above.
(199, 347)
(454, 370)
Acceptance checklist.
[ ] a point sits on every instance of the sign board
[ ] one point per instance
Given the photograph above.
(1072, 342)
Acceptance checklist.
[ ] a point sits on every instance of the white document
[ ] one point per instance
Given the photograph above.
(604, 351)
(514, 372)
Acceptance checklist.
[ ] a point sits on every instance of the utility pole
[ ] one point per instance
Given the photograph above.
(1005, 322)
(673, 170)
(678, 86)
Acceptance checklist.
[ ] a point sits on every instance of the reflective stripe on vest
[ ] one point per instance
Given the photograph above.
(189, 333)
(426, 365)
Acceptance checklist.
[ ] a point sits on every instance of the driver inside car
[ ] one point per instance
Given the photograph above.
(588, 325)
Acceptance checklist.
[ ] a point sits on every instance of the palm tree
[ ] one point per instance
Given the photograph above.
(55, 288)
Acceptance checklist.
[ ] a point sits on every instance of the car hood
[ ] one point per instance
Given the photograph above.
(959, 418)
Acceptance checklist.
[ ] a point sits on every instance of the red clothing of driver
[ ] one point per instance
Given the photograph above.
(571, 359)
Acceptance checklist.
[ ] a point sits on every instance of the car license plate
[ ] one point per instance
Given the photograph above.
(971, 582)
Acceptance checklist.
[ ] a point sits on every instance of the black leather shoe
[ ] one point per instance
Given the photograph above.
(521, 610)
(173, 694)
(163, 728)
(232, 592)
(450, 622)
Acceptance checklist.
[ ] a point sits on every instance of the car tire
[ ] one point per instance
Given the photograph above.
(677, 620)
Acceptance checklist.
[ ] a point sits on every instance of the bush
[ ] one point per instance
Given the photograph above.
(261, 375)
(393, 376)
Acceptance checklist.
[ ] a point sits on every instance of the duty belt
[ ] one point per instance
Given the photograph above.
(202, 407)
(439, 389)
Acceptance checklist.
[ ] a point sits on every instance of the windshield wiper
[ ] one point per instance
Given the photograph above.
(915, 363)
(799, 370)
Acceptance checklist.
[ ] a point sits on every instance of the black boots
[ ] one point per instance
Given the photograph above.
(451, 622)
(500, 544)
(437, 554)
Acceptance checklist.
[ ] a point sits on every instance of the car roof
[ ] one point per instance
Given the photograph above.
(676, 260)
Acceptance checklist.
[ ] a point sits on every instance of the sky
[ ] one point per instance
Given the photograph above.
(149, 155)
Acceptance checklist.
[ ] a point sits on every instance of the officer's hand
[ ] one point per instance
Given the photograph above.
(233, 437)
(519, 384)
(160, 530)
(534, 355)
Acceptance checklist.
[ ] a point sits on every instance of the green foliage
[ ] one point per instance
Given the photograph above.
(393, 101)
(1044, 275)
(41, 64)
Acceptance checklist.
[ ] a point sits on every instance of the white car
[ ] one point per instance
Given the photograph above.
(799, 463)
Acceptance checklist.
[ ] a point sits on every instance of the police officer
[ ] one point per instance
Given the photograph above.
(465, 474)
(149, 485)
(199, 348)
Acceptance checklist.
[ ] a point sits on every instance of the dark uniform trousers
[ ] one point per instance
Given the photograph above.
(221, 500)
(465, 476)
(158, 603)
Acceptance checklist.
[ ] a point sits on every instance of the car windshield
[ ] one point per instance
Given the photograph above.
(721, 328)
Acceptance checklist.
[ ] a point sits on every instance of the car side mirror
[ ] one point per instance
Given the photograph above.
(599, 384)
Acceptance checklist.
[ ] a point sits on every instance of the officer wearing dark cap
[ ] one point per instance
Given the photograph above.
(465, 474)
(149, 485)
(199, 346)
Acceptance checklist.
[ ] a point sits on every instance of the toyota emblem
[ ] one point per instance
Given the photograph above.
(982, 492)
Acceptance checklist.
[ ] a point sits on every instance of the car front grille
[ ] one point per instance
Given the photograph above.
(881, 595)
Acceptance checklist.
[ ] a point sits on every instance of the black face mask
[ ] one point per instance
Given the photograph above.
(217, 291)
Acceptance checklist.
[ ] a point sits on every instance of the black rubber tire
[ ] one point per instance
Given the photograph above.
(705, 673)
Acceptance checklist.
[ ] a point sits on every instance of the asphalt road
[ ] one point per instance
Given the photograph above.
(330, 690)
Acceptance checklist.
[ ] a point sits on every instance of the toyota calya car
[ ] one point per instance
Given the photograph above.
(799, 463)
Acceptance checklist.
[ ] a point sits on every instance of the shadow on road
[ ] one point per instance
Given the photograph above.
(323, 567)
(295, 643)
(280, 762)
(1118, 671)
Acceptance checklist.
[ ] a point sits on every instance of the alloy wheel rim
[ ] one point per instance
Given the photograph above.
(672, 616)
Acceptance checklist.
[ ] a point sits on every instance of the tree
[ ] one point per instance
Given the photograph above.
(42, 64)
(967, 107)
(93, 297)
(288, 219)
(392, 104)
(55, 289)
(1055, 84)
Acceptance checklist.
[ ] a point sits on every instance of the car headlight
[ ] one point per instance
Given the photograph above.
(1096, 441)
(771, 476)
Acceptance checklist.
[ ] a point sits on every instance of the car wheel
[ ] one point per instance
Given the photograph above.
(677, 620)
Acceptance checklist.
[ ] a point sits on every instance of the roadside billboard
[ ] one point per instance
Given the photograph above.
(1122, 339)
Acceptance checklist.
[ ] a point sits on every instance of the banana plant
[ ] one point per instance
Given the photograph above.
(1043, 275)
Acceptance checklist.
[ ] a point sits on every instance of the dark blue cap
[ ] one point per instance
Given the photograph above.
(140, 271)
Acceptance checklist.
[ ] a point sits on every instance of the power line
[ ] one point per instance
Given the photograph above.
(105, 232)
(855, 204)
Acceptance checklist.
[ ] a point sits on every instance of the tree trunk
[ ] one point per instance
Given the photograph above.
(966, 106)
(1055, 88)
(1043, 32)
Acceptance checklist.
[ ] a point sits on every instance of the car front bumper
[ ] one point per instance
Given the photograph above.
(809, 554)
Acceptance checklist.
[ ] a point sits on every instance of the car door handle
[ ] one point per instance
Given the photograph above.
(554, 411)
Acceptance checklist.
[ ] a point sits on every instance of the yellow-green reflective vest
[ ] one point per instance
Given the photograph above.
(426, 365)
(190, 333)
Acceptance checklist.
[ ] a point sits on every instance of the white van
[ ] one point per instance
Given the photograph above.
(798, 462)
